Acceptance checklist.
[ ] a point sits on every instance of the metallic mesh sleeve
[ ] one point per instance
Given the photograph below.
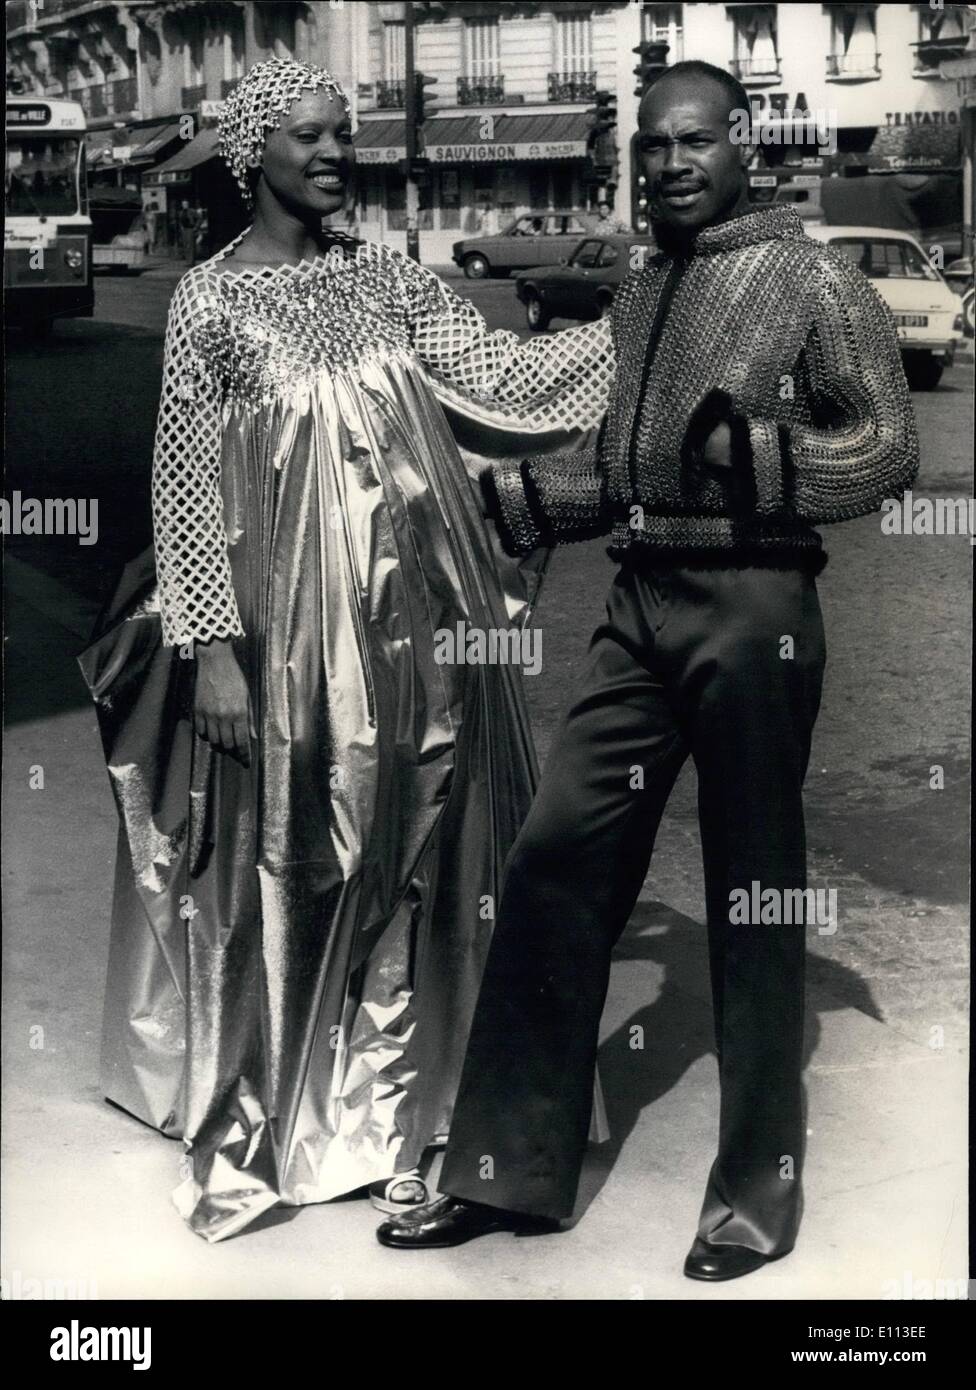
(559, 382)
(868, 449)
(195, 590)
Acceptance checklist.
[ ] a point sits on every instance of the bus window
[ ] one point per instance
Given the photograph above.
(41, 175)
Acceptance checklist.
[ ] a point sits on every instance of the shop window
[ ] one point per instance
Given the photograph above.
(450, 200)
(562, 188)
(538, 188)
(396, 204)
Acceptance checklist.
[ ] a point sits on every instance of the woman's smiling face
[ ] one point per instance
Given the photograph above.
(309, 158)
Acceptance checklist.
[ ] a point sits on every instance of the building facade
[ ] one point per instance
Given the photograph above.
(510, 94)
(512, 89)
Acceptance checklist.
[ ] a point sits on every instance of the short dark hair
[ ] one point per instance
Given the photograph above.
(693, 67)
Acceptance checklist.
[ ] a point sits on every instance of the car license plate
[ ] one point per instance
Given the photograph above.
(911, 320)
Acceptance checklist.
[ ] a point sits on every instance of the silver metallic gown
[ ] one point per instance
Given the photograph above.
(296, 947)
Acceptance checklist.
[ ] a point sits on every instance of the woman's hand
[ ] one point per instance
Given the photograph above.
(221, 704)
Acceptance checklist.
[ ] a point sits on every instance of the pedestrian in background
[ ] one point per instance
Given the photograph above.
(189, 226)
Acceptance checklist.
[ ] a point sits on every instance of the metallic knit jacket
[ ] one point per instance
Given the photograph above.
(763, 327)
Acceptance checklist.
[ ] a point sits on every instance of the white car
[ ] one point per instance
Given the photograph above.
(927, 313)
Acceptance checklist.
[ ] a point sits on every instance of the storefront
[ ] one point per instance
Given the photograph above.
(485, 169)
(198, 176)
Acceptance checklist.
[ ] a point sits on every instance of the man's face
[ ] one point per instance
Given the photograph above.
(308, 160)
(604, 209)
(695, 174)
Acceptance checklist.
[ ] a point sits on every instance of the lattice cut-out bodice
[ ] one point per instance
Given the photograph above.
(254, 336)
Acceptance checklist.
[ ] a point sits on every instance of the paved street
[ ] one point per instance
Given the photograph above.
(87, 1188)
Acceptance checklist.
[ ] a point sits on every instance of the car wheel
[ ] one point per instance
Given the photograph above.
(476, 267)
(924, 372)
(536, 314)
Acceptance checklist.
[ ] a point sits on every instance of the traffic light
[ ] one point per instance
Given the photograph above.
(601, 138)
(424, 106)
(604, 115)
(653, 61)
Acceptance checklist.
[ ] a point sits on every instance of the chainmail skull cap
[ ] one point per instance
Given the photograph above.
(256, 106)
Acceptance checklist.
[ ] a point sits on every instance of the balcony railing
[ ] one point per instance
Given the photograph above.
(191, 97)
(930, 52)
(572, 86)
(853, 65)
(227, 86)
(746, 68)
(391, 93)
(480, 91)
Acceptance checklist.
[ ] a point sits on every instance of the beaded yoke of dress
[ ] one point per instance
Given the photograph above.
(257, 335)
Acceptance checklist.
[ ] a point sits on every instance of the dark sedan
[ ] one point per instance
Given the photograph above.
(535, 238)
(584, 287)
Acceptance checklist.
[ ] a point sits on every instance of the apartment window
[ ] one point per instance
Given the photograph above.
(853, 42)
(573, 43)
(662, 24)
(942, 33)
(481, 48)
(755, 53)
(394, 51)
(233, 54)
(193, 59)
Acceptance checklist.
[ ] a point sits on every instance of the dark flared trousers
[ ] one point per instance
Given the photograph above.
(724, 665)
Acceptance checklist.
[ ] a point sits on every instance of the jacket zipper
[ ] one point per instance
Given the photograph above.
(675, 271)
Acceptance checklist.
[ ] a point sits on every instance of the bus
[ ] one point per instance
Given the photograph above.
(47, 243)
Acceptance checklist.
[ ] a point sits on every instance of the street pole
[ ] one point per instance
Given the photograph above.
(410, 117)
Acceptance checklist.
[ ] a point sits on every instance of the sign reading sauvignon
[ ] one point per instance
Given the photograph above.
(482, 151)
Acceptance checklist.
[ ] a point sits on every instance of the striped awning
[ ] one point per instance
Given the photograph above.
(479, 138)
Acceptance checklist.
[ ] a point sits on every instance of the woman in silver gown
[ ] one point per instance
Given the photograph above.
(314, 813)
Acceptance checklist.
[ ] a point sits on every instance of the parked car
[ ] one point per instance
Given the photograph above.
(535, 238)
(584, 287)
(927, 314)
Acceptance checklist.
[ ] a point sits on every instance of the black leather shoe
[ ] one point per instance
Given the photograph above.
(716, 1262)
(450, 1221)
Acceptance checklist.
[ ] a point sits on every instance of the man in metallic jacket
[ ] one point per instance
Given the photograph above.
(759, 391)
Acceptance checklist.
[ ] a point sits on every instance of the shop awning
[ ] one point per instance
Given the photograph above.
(149, 142)
(460, 139)
(380, 142)
(197, 151)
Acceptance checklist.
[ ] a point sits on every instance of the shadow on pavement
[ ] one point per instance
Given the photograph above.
(678, 1030)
